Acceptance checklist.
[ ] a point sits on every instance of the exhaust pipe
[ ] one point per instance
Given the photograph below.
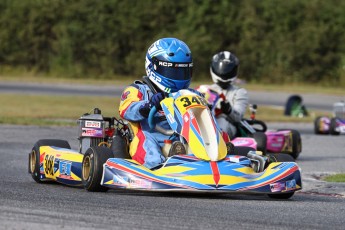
(261, 160)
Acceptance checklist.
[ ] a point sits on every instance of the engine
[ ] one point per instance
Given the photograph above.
(91, 130)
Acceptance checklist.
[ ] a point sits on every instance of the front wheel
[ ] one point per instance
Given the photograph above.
(34, 155)
(281, 196)
(318, 127)
(333, 126)
(261, 140)
(92, 168)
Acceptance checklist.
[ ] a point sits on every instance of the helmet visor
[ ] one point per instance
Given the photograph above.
(173, 70)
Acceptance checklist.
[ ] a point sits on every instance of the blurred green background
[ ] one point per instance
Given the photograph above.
(277, 41)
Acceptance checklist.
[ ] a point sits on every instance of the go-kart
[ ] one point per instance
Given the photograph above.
(210, 165)
(254, 133)
(332, 125)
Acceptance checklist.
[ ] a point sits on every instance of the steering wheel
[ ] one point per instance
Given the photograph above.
(157, 127)
(258, 125)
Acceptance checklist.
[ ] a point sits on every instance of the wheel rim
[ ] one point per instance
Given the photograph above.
(32, 161)
(86, 167)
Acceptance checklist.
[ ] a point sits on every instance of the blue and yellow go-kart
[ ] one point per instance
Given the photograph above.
(102, 161)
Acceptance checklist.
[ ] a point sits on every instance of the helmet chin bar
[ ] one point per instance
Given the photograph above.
(224, 85)
(219, 81)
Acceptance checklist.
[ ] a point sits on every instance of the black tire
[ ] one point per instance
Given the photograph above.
(282, 157)
(281, 196)
(242, 150)
(119, 146)
(333, 126)
(230, 147)
(261, 140)
(34, 155)
(92, 168)
(317, 126)
(296, 143)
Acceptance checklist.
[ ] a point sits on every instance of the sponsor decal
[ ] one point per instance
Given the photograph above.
(93, 124)
(131, 182)
(235, 159)
(124, 95)
(49, 165)
(170, 118)
(163, 63)
(191, 114)
(183, 65)
(153, 76)
(185, 118)
(92, 132)
(280, 139)
(65, 169)
(278, 187)
(291, 184)
(120, 181)
(240, 142)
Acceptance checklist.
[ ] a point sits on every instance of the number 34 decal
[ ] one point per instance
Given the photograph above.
(188, 101)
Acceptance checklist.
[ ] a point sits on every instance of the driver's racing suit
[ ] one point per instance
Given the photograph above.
(145, 146)
(239, 100)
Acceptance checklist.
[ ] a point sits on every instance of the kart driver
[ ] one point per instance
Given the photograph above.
(168, 67)
(224, 69)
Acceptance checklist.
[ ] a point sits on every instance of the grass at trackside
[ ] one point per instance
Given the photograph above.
(82, 81)
(335, 178)
(65, 110)
(52, 110)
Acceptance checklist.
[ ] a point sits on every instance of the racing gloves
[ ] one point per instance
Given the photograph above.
(225, 107)
(144, 110)
(156, 99)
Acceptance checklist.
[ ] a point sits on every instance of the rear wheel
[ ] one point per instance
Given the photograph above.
(317, 126)
(34, 155)
(296, 144)
(92, 168)
(333, 126)
(119, 146)
(261, 140)
(282, 157)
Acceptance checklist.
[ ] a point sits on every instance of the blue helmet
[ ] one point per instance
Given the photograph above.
(169, 64)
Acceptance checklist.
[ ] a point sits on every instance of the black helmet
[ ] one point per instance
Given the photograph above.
(224, 68)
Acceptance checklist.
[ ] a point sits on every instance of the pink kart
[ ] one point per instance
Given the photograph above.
(253, 133)
(334, 125)
(268, 141)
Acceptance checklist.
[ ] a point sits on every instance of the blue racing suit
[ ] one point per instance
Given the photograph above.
(146, 145)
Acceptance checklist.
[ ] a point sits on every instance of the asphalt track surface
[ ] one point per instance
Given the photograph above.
(25, 204)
